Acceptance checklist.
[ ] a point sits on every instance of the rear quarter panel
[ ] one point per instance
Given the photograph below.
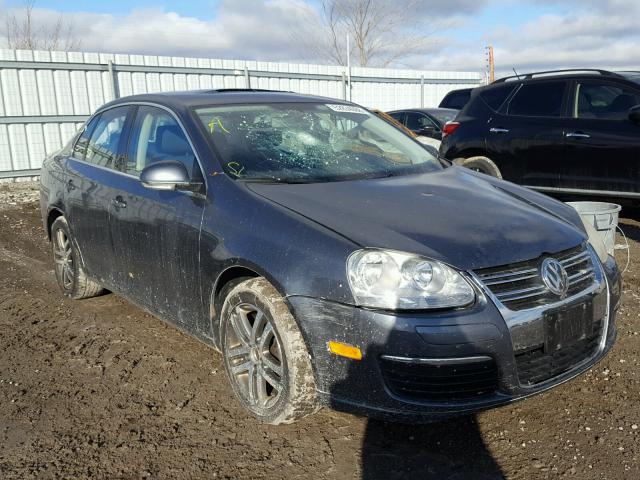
(53, 178)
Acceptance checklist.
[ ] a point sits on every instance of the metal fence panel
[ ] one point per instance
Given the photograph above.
(45, 96)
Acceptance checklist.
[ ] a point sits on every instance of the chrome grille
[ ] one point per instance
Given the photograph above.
(519, 286)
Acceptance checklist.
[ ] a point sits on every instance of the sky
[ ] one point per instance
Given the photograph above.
(526, 35)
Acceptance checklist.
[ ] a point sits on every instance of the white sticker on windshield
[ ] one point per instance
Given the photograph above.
(346, 108)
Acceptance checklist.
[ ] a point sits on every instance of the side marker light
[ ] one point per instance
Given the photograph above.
(344, 350)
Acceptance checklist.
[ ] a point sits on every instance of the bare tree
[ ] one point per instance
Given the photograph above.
(23, 32)
(381, 31)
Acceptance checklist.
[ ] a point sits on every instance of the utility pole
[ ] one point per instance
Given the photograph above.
(490, 63)
(349, 66)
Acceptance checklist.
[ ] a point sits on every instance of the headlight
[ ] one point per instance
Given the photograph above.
(596, 241)
(395, 280)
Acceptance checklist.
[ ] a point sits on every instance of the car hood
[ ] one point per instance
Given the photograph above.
(453, 215)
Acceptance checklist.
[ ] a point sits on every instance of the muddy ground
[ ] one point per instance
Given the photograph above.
(99, 389)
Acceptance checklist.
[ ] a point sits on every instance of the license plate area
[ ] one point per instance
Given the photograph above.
(568, 326)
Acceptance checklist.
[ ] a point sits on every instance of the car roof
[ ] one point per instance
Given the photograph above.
(459, 90)
(426, 110)
(571, 73)
(203, 98)
(633, 76)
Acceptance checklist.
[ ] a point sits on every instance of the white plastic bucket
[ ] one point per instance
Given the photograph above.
(604, 218)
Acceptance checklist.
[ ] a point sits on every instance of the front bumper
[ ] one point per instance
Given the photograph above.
(476, 334)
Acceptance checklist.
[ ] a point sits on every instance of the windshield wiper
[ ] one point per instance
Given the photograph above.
(278, 180)
(377, 175)
(301, 180)
(260, 179)
(444, 162)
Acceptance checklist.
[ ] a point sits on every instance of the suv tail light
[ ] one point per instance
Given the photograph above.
(449, 128)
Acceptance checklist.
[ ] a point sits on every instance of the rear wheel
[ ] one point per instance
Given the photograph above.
(70, 275)
(264, 354)
(480, 164)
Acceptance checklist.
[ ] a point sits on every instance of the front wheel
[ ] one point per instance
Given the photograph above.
(264, 354)
(480, 164)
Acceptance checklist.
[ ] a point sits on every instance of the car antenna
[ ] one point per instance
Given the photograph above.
(514, 71)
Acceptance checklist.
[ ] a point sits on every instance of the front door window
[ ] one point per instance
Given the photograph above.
(157, 136)
(604, 101)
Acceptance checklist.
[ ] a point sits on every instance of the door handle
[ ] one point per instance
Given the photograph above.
(498, 130)
(577, 135)
(118, 202)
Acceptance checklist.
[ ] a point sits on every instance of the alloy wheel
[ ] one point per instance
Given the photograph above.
(255, 356)
(63, 258)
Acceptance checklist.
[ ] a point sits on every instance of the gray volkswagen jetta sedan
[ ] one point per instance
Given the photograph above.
(329, 257)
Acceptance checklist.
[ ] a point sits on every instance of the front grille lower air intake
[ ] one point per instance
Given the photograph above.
(536, 365)
(463, 379)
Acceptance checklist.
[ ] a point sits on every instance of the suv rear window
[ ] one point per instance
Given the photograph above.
(538, 99)
(456, 99)
(495, 97)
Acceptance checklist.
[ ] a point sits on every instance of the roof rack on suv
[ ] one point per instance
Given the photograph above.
(526, 76)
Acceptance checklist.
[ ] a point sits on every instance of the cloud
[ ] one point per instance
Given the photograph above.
(616, 6)
(267, 30)
(587, 34)
(572, 33)
(430, 10)
(602, 34)
(251, 29)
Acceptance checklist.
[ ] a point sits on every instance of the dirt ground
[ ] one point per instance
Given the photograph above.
(99, 389)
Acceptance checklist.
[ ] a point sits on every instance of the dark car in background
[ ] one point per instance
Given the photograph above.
(425, 121)
(329, 256)
(456, 99)
(567, 132)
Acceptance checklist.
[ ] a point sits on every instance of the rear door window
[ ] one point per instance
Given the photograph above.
(81, 145)
(603, 100)
(496, 96)
(540, 99)
(102, 148)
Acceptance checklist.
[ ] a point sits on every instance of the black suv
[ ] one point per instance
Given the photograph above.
(570, 132)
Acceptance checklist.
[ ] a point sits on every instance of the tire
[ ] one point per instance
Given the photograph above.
(480, 164)
(264, 354)
(70, 275)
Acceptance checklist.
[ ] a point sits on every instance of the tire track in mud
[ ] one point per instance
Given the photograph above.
(108, 391)
(99, 389)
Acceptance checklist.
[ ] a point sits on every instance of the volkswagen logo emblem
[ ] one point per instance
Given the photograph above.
(554, 276)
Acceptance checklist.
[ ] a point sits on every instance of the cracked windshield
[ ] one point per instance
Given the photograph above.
(310, 142)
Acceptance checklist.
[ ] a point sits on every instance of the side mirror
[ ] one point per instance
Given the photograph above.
(167, 175)
(427, 130)
(634, 114)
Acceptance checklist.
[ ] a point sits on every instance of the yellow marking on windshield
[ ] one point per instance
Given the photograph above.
(235, 168)
(215, 121)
